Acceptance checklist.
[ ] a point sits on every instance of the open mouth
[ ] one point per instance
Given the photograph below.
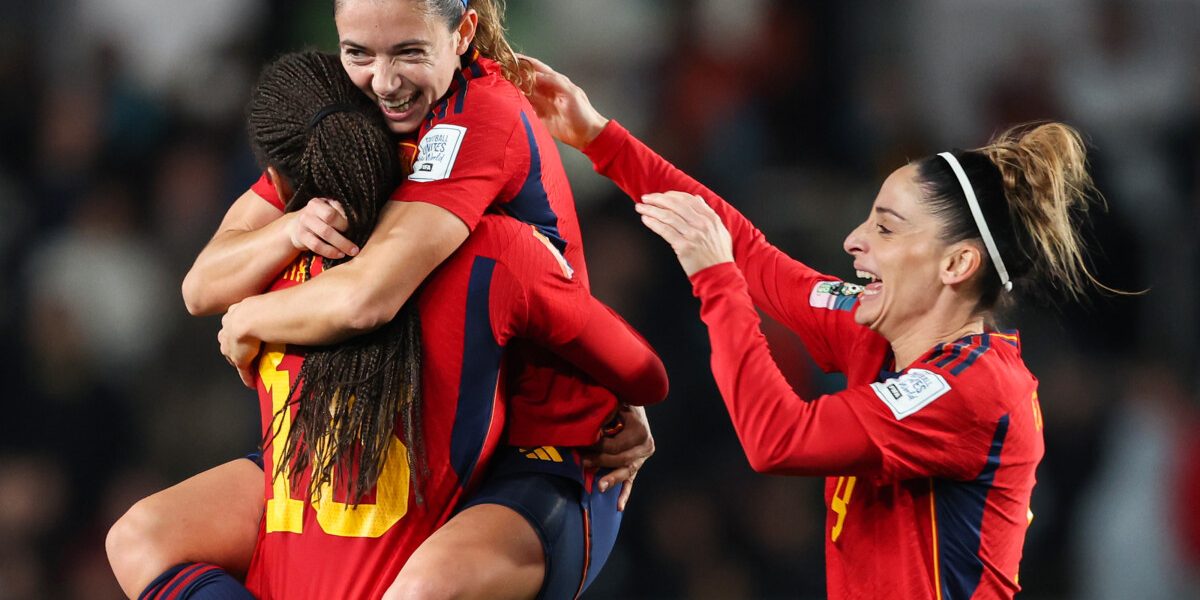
(874, 284)
(400, 108)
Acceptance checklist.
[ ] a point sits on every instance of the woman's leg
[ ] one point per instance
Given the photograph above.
(487, 551)
(536, 528)
(210, 518)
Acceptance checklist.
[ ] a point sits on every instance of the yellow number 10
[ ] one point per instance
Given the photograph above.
(286, 514)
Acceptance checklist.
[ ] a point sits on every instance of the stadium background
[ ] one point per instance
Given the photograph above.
(122, 143)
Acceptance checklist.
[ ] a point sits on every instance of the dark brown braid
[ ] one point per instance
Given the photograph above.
(308, 120)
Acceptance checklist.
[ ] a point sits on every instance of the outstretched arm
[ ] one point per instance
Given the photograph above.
(779, 431)
(778, 284)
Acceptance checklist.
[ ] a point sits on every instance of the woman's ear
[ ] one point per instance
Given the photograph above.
(282, 186)
(466, 31)
(960, 263)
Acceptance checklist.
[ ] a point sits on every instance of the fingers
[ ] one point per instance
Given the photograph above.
(626, 491)
(318, 226)
(625, 476)
(619, 460)
(689, 208)
(247, 375)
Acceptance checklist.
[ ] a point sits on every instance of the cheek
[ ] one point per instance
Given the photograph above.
(361, 77)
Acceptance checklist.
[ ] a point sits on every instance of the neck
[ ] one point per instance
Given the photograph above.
(935, 327)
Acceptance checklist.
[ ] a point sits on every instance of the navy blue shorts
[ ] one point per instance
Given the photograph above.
(577, 523)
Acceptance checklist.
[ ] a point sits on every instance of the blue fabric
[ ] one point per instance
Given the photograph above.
(577, 528)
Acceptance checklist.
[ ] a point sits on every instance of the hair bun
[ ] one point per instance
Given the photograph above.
(1043, 167)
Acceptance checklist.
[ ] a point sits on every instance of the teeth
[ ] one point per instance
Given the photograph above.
(866, 275)
(398, 106)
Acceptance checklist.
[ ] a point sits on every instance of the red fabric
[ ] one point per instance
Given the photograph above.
(894, 479)
(494, 161)
(530, 296)
(267, 192)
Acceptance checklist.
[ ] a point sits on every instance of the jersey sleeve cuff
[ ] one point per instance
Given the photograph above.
(721, 277)
(605, 147)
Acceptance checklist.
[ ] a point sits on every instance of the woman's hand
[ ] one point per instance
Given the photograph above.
(695, 232)
(624, 453)
(318, 228)
(563, 106)
(238, 348)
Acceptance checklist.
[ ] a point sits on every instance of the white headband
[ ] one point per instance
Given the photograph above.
(979, 221)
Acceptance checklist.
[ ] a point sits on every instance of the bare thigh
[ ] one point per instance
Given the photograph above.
(487, 551)
(212, 517)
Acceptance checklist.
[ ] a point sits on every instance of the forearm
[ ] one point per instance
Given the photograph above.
(615, 355)
(638, 171)
(410, 240)
(779, 431)
(237, 264)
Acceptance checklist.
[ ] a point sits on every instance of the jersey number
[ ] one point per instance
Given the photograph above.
(838, 504)
(285, 513)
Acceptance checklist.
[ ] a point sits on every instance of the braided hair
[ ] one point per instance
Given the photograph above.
(309, 121)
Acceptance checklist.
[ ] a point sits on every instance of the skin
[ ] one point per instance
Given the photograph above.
(393, 52)
(926, 291)
(212, 518)
(254, 242)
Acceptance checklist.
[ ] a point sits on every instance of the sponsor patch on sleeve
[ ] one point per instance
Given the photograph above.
(437, 152)
(834, 295)
(911, 391)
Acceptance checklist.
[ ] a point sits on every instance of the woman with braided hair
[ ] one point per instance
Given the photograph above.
(929, 453)
(371, 443)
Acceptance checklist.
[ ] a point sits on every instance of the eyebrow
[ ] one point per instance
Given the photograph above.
(395, 47)
(885, 210)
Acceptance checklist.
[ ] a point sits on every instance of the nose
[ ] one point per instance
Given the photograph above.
(385, 80)
(853, 244)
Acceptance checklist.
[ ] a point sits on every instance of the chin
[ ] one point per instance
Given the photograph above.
(403, 127)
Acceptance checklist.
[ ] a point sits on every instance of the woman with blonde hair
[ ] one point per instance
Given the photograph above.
(929, 453)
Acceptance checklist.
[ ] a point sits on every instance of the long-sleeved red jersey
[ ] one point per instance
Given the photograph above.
(929, 468)
(502, 284)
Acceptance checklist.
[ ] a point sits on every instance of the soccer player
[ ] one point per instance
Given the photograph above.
(508, 280)
(427, 65)
(930, 452)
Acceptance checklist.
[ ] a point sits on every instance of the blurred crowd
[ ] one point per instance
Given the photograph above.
(123, 143)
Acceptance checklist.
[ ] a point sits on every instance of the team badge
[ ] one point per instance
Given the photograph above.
(911, 392)
(437, 152)
(834, 295)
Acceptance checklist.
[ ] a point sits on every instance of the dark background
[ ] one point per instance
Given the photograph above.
(122, 144)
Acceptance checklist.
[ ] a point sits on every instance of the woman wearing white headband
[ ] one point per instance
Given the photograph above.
(930, 451)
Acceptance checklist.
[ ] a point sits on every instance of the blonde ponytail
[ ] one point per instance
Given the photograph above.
(1043, 170)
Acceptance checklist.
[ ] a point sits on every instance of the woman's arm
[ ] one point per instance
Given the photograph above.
(409, 241)
(254, 242)
(778, 284)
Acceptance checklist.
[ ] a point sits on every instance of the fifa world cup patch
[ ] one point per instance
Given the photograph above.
(834, 295)
(437, 152)
(911, 392)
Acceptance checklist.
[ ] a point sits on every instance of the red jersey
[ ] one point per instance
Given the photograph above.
(483, 149)
(930, 468)
(505, 281)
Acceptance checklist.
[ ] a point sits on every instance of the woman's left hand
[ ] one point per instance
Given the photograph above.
(238, 348)
(624, 453)
(693, 229)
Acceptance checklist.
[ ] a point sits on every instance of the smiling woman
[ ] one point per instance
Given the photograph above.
(399, 57)
(930, 451)
(541, 522)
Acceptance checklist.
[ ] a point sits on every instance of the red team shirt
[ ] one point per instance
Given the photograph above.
(936, 461)
(510, 279)
(483, 149)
